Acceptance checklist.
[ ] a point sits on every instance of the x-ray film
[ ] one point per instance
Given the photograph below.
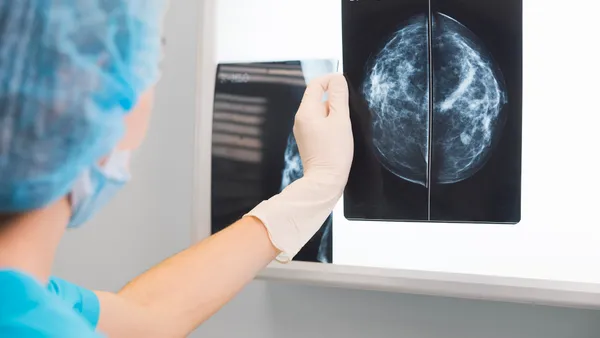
(254, 152)
(436, 104)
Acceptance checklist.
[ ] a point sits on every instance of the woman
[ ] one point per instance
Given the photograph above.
(76, 90)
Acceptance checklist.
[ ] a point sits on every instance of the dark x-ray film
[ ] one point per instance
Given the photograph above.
(254, 153)
(436, 107)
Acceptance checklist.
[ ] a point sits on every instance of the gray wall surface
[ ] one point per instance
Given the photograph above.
(151, 220)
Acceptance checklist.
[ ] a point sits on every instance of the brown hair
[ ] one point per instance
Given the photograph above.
(6, 219)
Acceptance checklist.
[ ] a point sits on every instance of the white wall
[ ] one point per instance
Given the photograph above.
(151, 220)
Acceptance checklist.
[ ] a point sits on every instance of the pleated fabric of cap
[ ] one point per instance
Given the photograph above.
(69, 72)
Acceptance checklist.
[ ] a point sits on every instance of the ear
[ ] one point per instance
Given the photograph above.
(137, 121)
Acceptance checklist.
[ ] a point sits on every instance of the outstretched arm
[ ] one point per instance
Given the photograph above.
(172, 299)
(176, 296)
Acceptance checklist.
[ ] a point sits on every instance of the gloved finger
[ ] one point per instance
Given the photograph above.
(338, 102)
(312, 102)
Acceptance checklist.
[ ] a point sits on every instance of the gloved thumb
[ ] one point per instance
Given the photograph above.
(313, 103)
(338, 102)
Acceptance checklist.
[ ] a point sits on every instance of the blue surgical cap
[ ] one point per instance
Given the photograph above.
(69, 72)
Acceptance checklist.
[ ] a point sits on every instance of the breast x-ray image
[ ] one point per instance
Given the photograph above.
(254, 152)
(435, 96)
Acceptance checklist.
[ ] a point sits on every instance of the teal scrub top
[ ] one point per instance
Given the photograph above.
(28, 309)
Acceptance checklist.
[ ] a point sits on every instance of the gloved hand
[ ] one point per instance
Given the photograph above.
(324, 135)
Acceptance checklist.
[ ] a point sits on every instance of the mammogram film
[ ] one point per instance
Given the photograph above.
(254, 152)
(436, 108)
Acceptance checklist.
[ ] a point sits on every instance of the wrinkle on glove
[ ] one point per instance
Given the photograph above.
(69, 72)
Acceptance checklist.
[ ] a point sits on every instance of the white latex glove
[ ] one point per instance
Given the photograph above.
(324, 136)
